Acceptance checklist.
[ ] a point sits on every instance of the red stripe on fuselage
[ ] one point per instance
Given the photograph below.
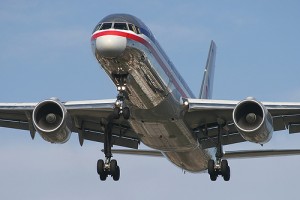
(149, 46)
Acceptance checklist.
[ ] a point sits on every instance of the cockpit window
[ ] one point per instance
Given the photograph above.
(137, 30)
(131, 27)
(121, 26)
(97, 27)
(106, 26)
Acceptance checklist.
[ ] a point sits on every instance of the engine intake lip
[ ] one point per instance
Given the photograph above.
(240, 110)
(48, 104)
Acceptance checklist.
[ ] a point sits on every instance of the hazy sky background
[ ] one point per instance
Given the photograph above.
(45, 52)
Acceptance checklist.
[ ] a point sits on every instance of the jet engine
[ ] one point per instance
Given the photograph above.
(253, 121)
(51, 121)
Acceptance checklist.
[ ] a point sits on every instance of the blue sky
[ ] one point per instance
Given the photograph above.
(45, 52)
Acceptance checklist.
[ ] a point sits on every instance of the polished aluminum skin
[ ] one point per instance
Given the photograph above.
(157, 110)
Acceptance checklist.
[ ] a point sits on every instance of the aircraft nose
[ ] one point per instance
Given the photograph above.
(111, 45)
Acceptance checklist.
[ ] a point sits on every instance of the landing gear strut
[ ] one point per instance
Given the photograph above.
(109, 166)
(220, 167)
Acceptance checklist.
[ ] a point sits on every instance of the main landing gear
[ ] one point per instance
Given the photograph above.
(220, 167)
(110, 166)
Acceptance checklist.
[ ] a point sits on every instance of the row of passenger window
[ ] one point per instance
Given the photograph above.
(118, 25)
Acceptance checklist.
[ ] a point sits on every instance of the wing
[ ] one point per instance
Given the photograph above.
(88, 119)
(203, 114)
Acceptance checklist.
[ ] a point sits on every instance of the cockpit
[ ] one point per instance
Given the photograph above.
(124, 22)
(119, 26)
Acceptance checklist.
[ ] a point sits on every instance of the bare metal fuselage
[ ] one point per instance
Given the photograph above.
(155, 93)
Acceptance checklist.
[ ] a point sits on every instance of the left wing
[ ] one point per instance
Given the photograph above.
(88, 119)
(202, 117)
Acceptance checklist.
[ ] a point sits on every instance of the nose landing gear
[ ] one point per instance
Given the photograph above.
(120, 106)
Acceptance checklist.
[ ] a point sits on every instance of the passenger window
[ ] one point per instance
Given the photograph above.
(105, 26)
(121, 26)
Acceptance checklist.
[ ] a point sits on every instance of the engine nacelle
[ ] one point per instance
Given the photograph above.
(51, 121)
(253, 121)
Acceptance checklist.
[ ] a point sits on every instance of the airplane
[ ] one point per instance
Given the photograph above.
(155, 106)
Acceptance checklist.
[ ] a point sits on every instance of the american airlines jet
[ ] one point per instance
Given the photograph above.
(155, 106)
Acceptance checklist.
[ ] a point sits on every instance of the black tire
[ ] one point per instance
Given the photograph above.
(100, 166)
(116, 176)
(103, 176)
(126, 113)
(226, 177)
(113, 167)
(116, 113)
(213, 176)
(224, 167)
(211, 167)
(100, 170)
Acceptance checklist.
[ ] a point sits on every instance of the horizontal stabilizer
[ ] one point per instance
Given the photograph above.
(227, 154)
(260, 153)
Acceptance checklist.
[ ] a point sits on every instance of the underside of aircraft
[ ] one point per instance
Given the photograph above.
(155, 106)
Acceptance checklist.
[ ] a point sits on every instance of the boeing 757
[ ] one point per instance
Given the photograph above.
(155, 106)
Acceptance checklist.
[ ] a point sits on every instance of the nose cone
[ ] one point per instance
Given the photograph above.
(110, 45)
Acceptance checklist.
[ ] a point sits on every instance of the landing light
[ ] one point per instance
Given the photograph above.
(118, 102)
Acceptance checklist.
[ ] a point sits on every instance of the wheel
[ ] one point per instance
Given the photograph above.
(116, 176)
(126, 113)
(116, 113)
(100, 166)
(224, 167)
(100, 169)
(113, 167)
(213, 176)
(226, 177)
(103, 176)
(211, 167)
(225, 170)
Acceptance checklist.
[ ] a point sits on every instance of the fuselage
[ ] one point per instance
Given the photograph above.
(123, 44)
